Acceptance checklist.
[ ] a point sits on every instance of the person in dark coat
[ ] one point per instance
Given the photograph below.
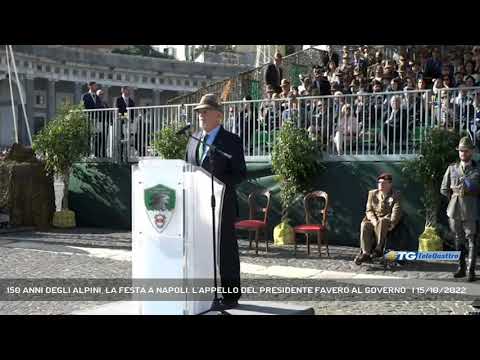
(90, 99)
(320, 82)
(121, 103)
(91, 102)
(274, 73)
(124, 100)
(229, 171)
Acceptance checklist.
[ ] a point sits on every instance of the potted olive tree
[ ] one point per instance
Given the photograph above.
(436, 153)
(61, 143)
(169, 145)
(296, 162)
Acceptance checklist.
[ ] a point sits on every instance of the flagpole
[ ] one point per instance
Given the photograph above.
(11, 96)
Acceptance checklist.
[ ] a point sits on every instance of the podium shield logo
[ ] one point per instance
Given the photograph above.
(160, 203)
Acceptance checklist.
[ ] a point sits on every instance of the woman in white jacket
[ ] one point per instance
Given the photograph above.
(346, 131)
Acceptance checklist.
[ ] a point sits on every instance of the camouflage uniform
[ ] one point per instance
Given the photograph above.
(385, 211)
(462, 186)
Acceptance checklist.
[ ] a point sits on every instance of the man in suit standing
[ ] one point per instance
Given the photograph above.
(320, 82)
(229, 171)
(102, 127)
(122, 103)
(90, 98)
(90, 102)
(274, 73)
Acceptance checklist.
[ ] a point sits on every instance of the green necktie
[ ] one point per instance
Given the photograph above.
(202, 149)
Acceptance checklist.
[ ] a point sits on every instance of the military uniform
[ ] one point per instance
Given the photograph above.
(382, 214)
(461, 184)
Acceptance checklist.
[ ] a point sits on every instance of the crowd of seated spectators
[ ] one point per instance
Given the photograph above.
(354, 111)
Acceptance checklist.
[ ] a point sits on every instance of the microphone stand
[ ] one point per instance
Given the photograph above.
(216, 305)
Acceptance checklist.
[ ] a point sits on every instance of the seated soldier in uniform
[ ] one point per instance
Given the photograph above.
(382, 215)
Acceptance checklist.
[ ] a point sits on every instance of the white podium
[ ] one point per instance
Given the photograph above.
(172, 229)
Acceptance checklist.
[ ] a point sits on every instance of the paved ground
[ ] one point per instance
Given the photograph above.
(94, 253)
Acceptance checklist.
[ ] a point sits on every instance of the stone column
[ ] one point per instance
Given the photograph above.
(133, 91)
(156, 97)
(106, 95)
(30, 101)
(77, 95)
(51, 103)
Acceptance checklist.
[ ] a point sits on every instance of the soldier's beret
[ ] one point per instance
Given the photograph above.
(385, 176)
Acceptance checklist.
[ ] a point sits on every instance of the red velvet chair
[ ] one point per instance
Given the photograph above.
(312, 228)
(253, 225)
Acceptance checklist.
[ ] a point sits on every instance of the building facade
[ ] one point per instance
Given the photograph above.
(51, 75)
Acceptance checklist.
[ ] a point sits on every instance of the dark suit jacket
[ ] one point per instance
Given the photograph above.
(88, 102)
(271, 76)
(323, 85)
(433, 69)
(121, 106)
(400, 126)
(230, 172)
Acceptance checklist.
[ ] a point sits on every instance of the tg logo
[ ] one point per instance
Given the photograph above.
(406, 255)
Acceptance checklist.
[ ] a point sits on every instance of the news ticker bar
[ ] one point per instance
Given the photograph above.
(251, 289)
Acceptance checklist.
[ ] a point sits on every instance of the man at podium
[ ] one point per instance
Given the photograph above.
(229, 171)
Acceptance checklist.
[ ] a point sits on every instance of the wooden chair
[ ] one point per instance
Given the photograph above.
(253, 225)
(312, 228)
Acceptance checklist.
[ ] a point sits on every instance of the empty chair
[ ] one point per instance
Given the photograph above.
(311, 226)
(252, 225)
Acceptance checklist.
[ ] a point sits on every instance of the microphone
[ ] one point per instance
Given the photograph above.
(184, 129)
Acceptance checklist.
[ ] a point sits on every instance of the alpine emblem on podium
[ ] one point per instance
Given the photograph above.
(160, 204)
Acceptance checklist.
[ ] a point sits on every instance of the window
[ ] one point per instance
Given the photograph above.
(48, 69)
(75, 72)
(135, 78)
(84, 73)
(170, 81)
(39, 67)
(127, 77)
(101, 75)
(152, 80)
(195, 82)
(161, 81)
(40, 99)
(93, 74)
(119, 77)
(144, 79)
(25, 64)
(178, 82)
(187, 82)
(57, 70)
(110, 76)
(66, 71)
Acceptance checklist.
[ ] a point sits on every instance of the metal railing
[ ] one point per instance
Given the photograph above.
(388, 125)
(104, 127)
